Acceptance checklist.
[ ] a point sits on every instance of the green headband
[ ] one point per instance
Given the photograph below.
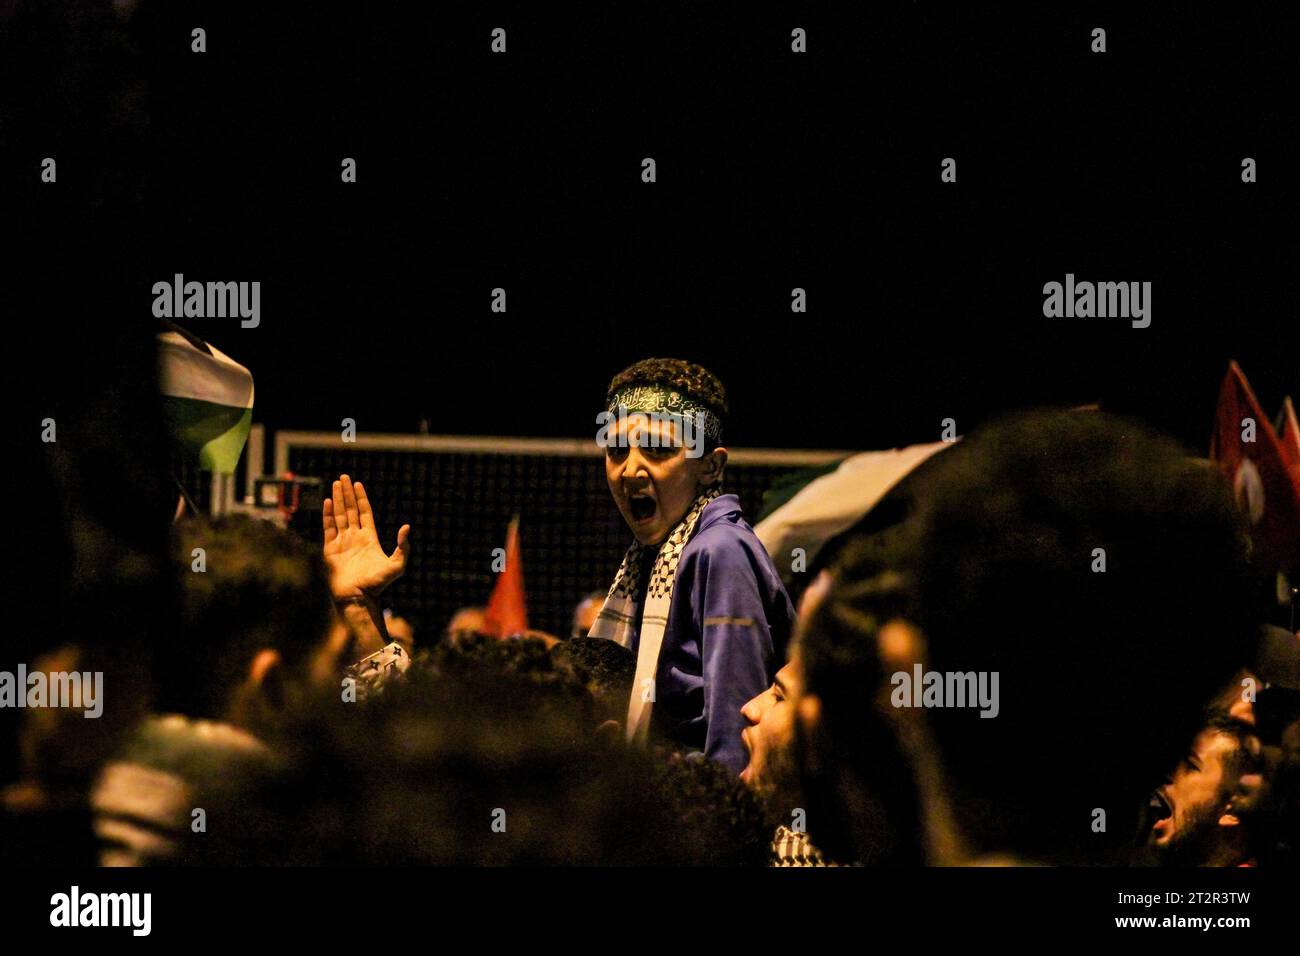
(667, 403)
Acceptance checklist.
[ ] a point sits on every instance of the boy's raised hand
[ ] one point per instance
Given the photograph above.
(359, 568)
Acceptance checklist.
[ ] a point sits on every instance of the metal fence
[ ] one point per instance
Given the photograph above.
(458, 493)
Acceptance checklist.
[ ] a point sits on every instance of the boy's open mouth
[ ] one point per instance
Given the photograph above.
(643, 507)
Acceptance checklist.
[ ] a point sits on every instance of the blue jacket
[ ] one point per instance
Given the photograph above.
(728, 627)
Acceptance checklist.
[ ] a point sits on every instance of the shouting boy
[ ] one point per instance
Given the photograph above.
(696, 597)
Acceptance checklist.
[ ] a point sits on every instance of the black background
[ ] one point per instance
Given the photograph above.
(775, 170)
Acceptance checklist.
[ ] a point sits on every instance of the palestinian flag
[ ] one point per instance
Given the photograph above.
(835, 500)
(207, 398)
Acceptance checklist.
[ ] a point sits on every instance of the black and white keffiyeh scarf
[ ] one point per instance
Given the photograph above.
(617, 619)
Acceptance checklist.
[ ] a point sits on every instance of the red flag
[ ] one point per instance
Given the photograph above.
(1289, 435)
(507, 608)
(1251, 457)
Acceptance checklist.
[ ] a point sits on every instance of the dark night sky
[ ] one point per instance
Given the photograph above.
(775, 171)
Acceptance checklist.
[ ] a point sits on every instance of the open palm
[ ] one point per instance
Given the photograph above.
(359, 568)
